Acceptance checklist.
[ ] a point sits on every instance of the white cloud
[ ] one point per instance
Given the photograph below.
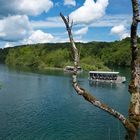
(70, 2)
(57, 4)
(29, 7)
(39, 36)
(34, 7)
(105, 21)
(120, 30)
(90, 11)
(81, 31)
(112, 20)
(124, 35)
(8, 44)
(14, 28)
(49, 23)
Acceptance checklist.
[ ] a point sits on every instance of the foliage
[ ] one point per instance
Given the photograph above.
(93, 55)
(3, 54)
(92, 63)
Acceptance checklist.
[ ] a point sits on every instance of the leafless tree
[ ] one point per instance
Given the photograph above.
(132, 123)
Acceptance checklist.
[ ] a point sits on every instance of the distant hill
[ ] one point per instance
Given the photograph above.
(93, 55)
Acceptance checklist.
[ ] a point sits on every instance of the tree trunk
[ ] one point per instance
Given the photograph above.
(134, 86)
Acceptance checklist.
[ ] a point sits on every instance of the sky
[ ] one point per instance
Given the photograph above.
(38, 21)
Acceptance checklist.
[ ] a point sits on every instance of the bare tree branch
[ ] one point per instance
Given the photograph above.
(87, 96)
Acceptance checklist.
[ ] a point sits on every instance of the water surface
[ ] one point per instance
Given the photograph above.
(45, 107)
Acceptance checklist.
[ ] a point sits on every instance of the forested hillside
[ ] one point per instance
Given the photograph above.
(93, 55)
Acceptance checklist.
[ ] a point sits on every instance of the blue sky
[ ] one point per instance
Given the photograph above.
(38, 21)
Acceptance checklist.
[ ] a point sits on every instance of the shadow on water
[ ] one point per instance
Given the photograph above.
(19, 69)
(49, 71)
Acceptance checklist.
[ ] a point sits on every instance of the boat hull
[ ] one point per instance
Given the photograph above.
(118, 80)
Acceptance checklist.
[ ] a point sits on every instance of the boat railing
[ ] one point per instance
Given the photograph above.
(106, 76)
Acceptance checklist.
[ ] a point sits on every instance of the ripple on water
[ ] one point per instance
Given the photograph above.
(45, 107)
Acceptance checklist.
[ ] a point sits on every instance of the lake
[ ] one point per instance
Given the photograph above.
(35, 106)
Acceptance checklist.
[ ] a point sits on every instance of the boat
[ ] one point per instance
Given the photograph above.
(106, 76)
(71, 69)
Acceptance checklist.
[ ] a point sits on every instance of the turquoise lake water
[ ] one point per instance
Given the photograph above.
(45, 107)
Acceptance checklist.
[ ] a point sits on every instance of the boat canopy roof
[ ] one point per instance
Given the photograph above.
(71, 67)
(103, 72)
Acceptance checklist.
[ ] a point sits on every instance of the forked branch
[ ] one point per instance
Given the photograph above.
(81, 91)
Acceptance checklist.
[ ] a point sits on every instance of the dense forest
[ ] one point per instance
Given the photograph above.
(93, 55)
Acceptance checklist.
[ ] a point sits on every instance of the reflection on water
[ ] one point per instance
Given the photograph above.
(106, 85)
(35, 106)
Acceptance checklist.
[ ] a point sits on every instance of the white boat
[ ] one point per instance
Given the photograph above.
(71, 69)
(105, 76)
